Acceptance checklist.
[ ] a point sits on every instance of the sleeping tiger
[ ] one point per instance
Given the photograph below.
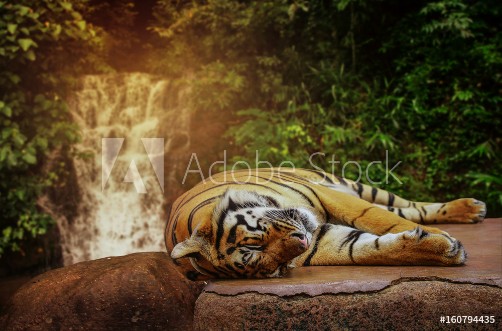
(260, 223)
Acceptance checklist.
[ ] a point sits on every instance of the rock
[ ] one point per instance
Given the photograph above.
(411, 305)
(134, 292)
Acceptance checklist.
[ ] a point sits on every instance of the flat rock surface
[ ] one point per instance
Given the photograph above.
(140, 291)
(482, 241)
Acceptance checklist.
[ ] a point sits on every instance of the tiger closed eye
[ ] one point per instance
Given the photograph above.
(253, 247)
(239, 265)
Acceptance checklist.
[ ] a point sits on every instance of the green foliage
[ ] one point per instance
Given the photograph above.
(40, 44)
(449, 67)
(422, 84)
(215, 45)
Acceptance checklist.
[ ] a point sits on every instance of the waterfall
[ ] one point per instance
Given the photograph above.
(112, 217)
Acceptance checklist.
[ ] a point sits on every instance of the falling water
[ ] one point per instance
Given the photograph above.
(112, 217)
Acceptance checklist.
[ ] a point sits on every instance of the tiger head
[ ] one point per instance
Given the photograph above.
(248, 236)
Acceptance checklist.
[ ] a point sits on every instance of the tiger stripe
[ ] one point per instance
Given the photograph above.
(303, 195)
(196, 209)
(374, 192)
(322, 233)
(351, 239)
(362, 214)
(313, 192)
(391, 199)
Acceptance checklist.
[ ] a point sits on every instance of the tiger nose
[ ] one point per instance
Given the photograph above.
(302, 238)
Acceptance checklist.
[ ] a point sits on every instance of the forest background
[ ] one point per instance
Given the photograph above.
(351, 78)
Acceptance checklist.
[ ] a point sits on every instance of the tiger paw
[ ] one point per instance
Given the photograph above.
(431, 248)
(465, 210)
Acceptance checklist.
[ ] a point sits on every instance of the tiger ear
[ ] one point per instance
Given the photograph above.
(186, 248)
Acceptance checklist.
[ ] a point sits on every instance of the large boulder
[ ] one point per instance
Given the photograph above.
(134, 292)
(406, 305)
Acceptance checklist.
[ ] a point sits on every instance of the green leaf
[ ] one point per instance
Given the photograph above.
(20, 193)
(342, 4)
(39, 98)
(81, 25)
(76, 15)
(30, 55)
(3, 152)
(25, 31)
(18, 233)
(29, 158)
(43, 143)
(56, 30)
(463, 95)
(7, 232)
(7, 132)
(18, 138)
(26, 43)
(23, 10)
(11, 28)
(7, 111)
(14, 78)
(65, 5)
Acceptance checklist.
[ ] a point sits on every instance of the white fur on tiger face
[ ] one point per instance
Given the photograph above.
(261, 238)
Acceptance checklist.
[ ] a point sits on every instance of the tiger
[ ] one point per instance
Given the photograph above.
(260, 223)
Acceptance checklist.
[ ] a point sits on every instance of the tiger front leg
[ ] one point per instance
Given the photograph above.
(342, 245)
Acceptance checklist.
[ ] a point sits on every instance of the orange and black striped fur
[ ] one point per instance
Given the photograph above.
(259, 223)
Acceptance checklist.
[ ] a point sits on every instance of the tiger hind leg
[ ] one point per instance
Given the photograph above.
(465, 210)
(343, 245)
